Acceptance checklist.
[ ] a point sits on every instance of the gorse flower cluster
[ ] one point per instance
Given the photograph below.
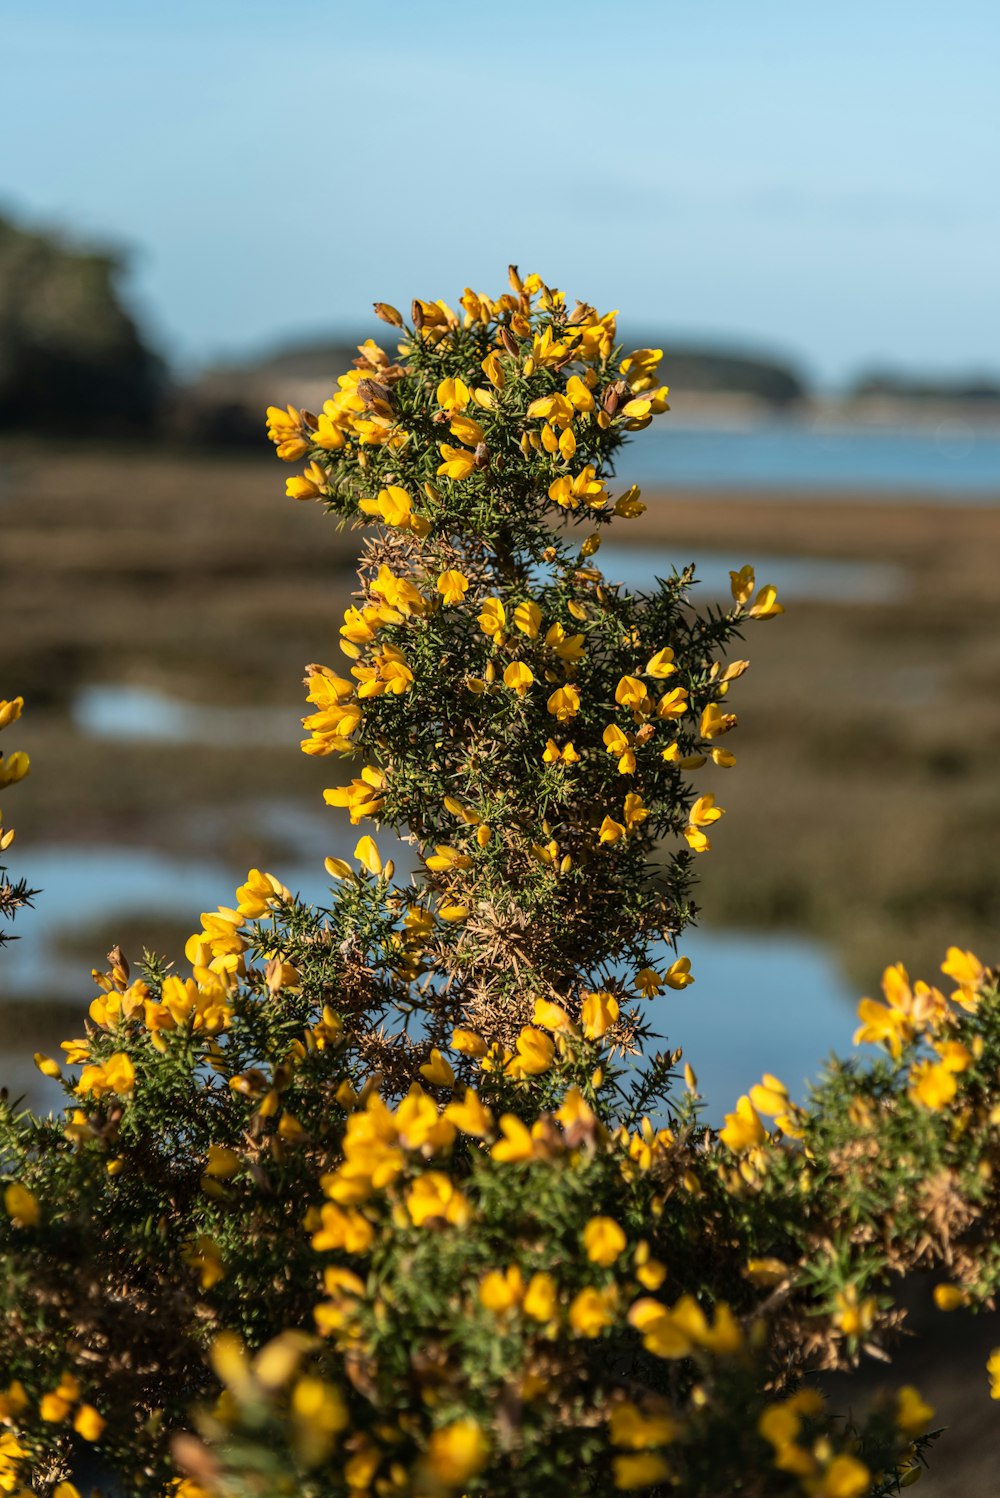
(13, 767)
(395, 1198)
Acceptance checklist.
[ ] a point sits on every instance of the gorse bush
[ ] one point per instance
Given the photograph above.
(397, 1197)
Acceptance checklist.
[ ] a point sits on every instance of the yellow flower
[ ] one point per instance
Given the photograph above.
(502, 1290)
(742, 584)
(704, 812)
(21, 1206)
(222, 1163)
(552, 1016)
(631, 692)
(591, 1311)
(770, 1096)
(598, 1013)
(845, 1477)
(637, 1432)
(553, 755)
(639, 1470)
(516, 1145)
(541, 1299)
(493, 618)
(393, 505)
(518, 677)
(674, 704)
(116, 1075)
(993, 1369)
(55, 1406)
(470, 1116)
(468, 1043)
(458, 1451)
(534, 1053)
(634, 811)
(10, 710)
(437, 1071)
(88, 1423)
(458, 462)
(604, 1241)
(203, 1255)
(610, 831)
(766, 605)
(661, 664)
(453, 395)
(913, 1414)
(552, 408)
(13, 768)
(661, 1335)
(714, 722)
(528, 618)
(435, 1197)
(743, 1129)
(950, 1297)
(678, 974)
(854, 1317)
(564, 703)
(453, 586)
(368, 855)
(932, 1084)
(648, 983)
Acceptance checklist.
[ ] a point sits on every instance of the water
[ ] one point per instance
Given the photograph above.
(796, 578)
(759, 1003)
(946, 460)
(118, 711)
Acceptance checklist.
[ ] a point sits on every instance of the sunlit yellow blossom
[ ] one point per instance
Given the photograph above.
(993, 1369)
(116, 1075)
(468, 1043)
(742, 585)
(517, 1144)
(541, 1298)
(932, 1084)
(21, 1206)
(845, 1477)
(743, 1128)
(766, 605)
(715, 722)
(457, 1452)
(853, 1315)
(603, 1240)
(950, 1297)
(592, 1311)
(598, 1013)
(564, 703)
(453, 394)
(533, 1055)
(639, 1470)
(437, 1071)
(913, 1414)
(518, 677)
(552, 1017)
(452, 586)
(493, 617)
(435, 1196)
(501, 1290)
(678, 974)
(673, 704)
(470, 1116)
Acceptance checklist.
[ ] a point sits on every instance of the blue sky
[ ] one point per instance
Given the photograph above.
(818, 180)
